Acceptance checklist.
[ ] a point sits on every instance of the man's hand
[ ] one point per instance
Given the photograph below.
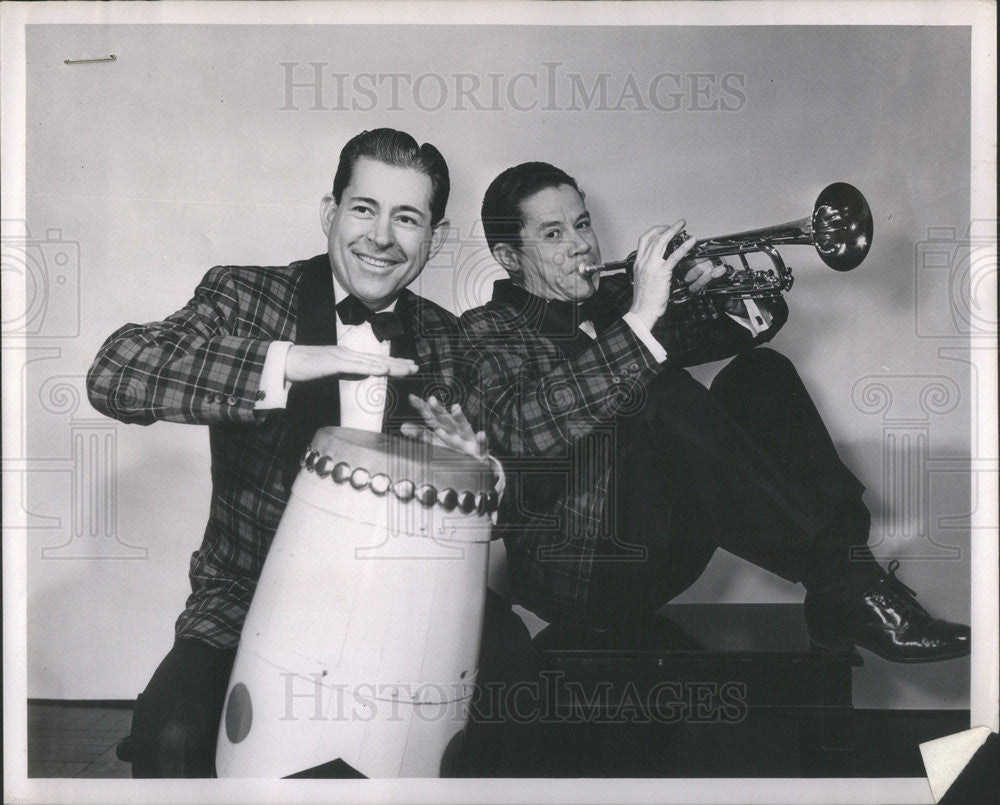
(445, 427)
(314, 362)
(700, 271)
(653, 271)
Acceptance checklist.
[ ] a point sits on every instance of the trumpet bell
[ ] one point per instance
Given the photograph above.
(842, 226)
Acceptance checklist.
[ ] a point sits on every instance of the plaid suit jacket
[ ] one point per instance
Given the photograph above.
(202, 365)
(549, 406)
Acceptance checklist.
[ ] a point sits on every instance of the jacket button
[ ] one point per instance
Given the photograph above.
(616, 380)
(231, 400)
(633, 367)
(209, 397)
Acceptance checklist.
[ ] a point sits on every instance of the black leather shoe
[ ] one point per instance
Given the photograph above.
(886, 619)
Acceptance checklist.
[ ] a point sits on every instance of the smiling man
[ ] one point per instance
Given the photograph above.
(629, 473)
(264, 357)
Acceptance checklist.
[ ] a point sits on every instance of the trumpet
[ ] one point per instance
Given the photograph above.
(839, 228)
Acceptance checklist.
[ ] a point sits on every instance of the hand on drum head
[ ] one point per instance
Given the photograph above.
(314, 362)
(448, 428)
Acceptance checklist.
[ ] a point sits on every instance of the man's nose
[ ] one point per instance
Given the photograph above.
(581, 245)
(381, 231)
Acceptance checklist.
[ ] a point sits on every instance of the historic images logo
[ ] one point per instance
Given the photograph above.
(553, 699)
(319, 86)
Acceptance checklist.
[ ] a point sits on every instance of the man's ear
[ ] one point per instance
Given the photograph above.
(327, 208)
(439, 233)
(506, 255)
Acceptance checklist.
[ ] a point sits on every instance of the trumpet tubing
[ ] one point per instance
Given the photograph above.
(840, 229)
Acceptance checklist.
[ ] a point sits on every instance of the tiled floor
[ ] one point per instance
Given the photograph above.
(66, 740)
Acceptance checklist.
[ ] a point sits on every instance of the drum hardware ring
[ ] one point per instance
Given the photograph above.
(427, 495)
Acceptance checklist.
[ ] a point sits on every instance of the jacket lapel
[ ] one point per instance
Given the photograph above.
(314, 404)
(555, 320)
(407, 345)
(316, 317)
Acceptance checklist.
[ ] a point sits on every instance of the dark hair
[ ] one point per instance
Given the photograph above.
(501, 212)
(399, 149)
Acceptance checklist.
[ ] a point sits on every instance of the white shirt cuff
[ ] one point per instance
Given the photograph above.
(501, 476)
(500, 485)
(273, 390)
(643, 334)
(756, 320)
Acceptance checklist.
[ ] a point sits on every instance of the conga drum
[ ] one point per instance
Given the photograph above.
(359, 652)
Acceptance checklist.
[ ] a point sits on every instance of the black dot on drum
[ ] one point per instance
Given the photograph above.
(239, 713)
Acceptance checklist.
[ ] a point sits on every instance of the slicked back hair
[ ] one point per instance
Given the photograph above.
(501, 211)
(399, 149)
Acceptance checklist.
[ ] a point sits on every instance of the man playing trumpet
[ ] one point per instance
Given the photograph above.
(626, 474)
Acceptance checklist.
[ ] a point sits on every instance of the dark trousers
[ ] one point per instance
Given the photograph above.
(176, 718)
(747, 466)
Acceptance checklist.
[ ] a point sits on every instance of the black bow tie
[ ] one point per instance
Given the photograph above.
(600, 310)
(597, 309)
(386, 326)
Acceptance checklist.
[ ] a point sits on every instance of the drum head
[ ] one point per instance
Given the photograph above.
(409, 468)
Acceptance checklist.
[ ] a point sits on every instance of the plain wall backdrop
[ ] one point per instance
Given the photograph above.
(204, 145)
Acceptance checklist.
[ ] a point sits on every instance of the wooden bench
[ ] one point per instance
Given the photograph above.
(695, 690)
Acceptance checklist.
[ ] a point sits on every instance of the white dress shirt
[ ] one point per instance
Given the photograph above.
(362, 402)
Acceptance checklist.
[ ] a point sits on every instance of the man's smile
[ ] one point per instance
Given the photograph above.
(376, 262)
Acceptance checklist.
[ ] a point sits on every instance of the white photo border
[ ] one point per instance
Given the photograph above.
(981, 16)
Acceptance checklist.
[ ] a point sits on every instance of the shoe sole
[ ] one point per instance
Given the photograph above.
(953, 655)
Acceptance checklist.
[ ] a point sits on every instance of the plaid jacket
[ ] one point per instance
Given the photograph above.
(202, 365)
(549, 405)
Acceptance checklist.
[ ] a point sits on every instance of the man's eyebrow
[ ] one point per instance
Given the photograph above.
(365, 199)
(409, 208)
(558, 222)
